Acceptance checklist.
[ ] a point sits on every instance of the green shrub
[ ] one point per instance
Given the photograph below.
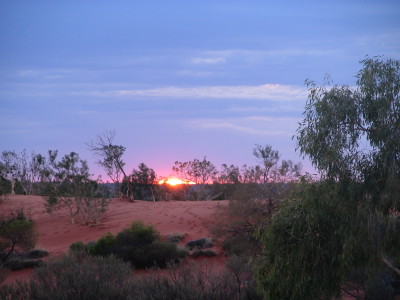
(17, 233)
(138, 234)
(78, 246)
(158, 254)
(140, 245)
(104, 246)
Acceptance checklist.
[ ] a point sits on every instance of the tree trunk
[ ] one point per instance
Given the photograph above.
(12, 187)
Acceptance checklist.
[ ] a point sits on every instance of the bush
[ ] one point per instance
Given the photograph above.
(37, 253)
(78, 246)
(71, 277)
(176, 237)
(17, 233)
(137, 234)
(141, 245)
(192, 282)
(3, 273)
(16, 264)
(206, 253)
(200, 244)
(104, 246)
(17, 291)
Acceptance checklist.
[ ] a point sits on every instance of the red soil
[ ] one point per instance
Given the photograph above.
(56, 233)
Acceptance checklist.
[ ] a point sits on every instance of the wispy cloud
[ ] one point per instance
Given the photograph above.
(275, 109)
(46, 73)
(253, 125)
(267, 91)
(231, 53)
(208, 60)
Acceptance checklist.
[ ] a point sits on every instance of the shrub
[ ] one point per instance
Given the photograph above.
(3, 273)
(192, 282)
(78, 246)
(17, 291)
(158, 254)
(175, 237)
(104, 246)
(200, 244)
(141, 245)
(17, 232)
(71, 277)
(16, 264)
(37, 253)
(206, 253)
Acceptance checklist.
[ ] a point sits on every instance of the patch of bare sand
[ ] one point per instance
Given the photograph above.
(56, 233)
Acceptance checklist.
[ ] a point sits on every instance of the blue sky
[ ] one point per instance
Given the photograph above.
(177, 80)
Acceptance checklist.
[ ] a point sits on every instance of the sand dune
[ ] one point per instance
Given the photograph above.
(56, 233)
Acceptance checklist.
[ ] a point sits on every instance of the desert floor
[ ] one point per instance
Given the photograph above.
(56, 233)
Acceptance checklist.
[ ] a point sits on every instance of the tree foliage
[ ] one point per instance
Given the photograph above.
(143, 180)
(203, 173)
(70, 186)
(342, 229)
(17, 233)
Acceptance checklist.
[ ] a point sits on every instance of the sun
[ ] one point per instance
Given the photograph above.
(174, 181)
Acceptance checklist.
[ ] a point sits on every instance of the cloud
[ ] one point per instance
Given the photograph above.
(267, 92)
(252, 125)
(195, 73)
(275, 109)
(56, 73)
(262, 54)
(208, 60)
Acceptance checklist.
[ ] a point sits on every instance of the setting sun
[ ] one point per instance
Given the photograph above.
(175, 181)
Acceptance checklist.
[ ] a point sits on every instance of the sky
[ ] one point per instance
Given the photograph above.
(177, 80)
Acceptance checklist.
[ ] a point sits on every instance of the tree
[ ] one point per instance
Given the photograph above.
(202, 172)
(143, 181)
(229, 174)
(31, 168)
(71, 187)
(17, 232)
(110, 159)
(343, 228)
(9, 168)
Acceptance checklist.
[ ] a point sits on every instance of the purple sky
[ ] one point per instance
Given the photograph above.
(177, 80)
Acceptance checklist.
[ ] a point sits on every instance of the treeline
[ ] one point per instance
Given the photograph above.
(32, 173)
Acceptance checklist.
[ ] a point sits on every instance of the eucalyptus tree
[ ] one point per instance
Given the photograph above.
(201, 172)
(111, 159)
(9, 168)
(343, 229)
(70, 186)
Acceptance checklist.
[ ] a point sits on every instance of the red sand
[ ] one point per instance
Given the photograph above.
(56, 233)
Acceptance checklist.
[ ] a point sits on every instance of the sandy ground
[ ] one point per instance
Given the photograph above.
(56, 233)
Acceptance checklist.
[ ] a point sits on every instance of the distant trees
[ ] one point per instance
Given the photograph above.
(202, 172)
(340, 235)
(24, 169)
